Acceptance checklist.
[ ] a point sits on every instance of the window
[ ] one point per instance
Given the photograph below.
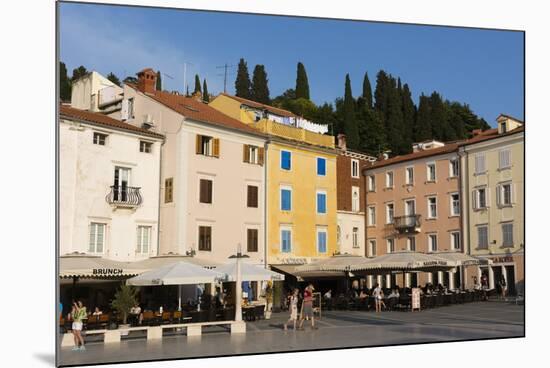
(286, 160)
(410, 207)
(455, 240)
(168, 190)
(205, 238)
(455, 204)
(432, 207)
(321, 166)
(321, 240)
(97, 238)
(355, 199)
(252, 240)
(143, 239)
(504, 159)
(430, 172)
(121, 184)
(205, 191)
(409, 175)
(504, 194)
(372, 248)
(432, 242)
(480, 198)
(286, 199)
(482, 237)
(371, 220)
(207, 146)
(389, 179)
(252, 196)
(508, 235)
(100, 138)
(389, 213)
(371, 187)
(480, 164)
(253, 154)
(355, 237)
(503, 127)
(146, 147)
(453, 168)
(131, 108)
(286, 240)
(354, 168)
(411, 243)
(321, 202)
(390, 244)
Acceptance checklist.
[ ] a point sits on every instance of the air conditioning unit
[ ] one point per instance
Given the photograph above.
(148, 121)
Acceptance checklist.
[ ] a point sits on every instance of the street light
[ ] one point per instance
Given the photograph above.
(238, 286)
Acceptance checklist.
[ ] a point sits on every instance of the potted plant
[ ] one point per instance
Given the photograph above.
(268, 299)
(125, 299)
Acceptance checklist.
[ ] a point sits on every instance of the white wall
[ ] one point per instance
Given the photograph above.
(86, 174)
(84, 93)
(346, 222)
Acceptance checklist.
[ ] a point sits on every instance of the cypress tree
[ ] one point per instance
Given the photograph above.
(242, 82)
(302, 84)
(409, 111)
(158, 86)
(381, 93)
(394, 118)
(367, 91)
(350, 125)
(197, 84)
(371, 132)
(79, 72)
(64, 83)
(423, 125)
(260, 90)
(205, 95)
(113, 78)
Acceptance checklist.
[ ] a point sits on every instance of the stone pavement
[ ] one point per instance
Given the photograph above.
(337, 329)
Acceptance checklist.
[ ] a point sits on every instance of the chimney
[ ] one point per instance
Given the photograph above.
(197, 96)
(476, 132)
(147, 80)
(342, 142)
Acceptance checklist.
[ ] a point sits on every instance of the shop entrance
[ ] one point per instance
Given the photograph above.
(511, 280)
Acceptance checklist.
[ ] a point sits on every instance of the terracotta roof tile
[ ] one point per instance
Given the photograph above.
(197, 110)
(257, 105)
(99, 118)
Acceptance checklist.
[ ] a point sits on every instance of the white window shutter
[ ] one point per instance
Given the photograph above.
(474, 199)
(488, 197)
(124, 110)
(499, 195)
(513, 190)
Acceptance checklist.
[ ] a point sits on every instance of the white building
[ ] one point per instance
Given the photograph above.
(213, 174)
(94, 92)
(109, 187)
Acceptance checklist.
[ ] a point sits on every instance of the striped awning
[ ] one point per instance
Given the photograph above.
(88, 266)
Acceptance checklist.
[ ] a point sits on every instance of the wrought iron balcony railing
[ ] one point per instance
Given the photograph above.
(123, 196)
(407, 223)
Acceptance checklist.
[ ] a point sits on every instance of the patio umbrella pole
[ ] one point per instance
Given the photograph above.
(179, 297)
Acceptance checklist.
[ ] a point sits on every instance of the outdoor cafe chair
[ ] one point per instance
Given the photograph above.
(149, 318)
(438, 300)
(166, 317)
(392, 303)
(404, 302)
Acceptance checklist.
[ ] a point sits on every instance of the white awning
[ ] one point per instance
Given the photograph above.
(88, 266)
(249, 272)
(179, 273)
(462, 259)
(403, 261)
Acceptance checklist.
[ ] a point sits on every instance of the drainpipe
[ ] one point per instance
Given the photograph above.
(266, 146)
(464, 191)
(160, 198)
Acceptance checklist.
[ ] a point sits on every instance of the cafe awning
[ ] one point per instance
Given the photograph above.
(170, 258)
(249, 272)
(462, 259)
(335, 263)
(403, 261)
(179, 273)
(87, 266)
(292, 270)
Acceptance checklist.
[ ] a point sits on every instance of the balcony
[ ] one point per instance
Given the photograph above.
(290, 132)
(407, 223)
(123, 196)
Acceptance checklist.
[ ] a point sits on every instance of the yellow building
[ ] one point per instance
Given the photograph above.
(300, 181)
(492, 165)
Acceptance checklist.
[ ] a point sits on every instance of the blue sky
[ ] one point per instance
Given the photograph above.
(483, 68)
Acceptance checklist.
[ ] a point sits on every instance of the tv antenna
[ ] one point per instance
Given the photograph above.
(225, 67)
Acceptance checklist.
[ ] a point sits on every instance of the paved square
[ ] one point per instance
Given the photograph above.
(336, 329)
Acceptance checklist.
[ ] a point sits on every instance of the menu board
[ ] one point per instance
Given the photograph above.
(415, 302)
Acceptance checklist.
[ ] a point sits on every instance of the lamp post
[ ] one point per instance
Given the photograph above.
(238, 286)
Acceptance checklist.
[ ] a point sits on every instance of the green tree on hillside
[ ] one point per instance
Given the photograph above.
(205, 95)
(302, 84)
(350, 124)
(64, 83)
(242, 82)
(158, 86)
(260, 89)
(79, 72)
(197, 84)
(113, 78)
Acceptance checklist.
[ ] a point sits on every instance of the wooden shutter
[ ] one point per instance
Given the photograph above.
(216, 147)
(252, 240)
(246, 153)
(168, 190)
(198, 148)
(261, 156)
(252, 196)
(202, 191)
(209, 190)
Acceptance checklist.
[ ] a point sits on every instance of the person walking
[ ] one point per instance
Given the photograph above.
(79, 315)
(293, 307)
(307, 307)
(502, 285)
(378, 294)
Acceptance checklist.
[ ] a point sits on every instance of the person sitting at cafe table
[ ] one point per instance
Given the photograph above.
(97, 312)
(363, 294)
(394, 294)
(328, 294)
(135, 313)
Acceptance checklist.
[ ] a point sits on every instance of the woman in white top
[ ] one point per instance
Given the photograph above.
(378, 295)
(293, 307)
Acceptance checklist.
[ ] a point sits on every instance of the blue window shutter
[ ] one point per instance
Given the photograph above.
(322, 240)
(286, 200)
(285, 160)
(286, 241)
(321, 166)
(321, 203)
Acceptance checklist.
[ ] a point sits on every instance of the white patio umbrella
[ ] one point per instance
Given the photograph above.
(249, 272)
(178, 273)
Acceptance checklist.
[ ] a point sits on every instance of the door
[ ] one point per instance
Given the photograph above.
(511, 280)
(497, 273)
(122, 180)
(409, 212)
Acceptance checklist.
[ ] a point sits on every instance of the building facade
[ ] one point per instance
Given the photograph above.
(351, 201)
(413, 204)
(301, 181)
(493, 182)
(109, 192)
(212, 176)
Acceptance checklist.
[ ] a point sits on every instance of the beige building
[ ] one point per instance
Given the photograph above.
(493, 182)
(413, 203)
